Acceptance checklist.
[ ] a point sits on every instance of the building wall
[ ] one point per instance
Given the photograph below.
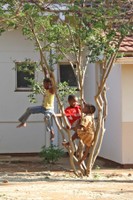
(14, 47)
(112, 142)
(117, 143)
(127, 114)
(90, 84)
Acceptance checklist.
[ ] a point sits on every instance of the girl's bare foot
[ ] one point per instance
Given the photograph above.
(21, 125)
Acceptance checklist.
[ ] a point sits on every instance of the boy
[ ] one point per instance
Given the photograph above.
(47, 106)
(85, 129)
(73, 111)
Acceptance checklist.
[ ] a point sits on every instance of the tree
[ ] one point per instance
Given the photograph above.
(80, 32)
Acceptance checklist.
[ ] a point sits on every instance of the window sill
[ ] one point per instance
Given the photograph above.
(23, 90)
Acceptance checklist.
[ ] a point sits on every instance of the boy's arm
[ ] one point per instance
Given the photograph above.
(77, 127)
(84, 121)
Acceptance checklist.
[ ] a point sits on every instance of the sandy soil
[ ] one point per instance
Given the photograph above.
(28, 178)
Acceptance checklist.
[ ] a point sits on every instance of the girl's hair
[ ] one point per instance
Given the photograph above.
(46, 80)
(91, 108)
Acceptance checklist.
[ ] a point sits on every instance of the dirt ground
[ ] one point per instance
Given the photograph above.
(28, 178)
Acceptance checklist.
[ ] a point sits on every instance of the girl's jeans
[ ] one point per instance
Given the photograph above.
(37, 110)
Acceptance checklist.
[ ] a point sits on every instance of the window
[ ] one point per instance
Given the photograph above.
(67, 74)
(24, 72)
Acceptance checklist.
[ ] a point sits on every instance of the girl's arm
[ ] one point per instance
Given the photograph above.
(53, 83)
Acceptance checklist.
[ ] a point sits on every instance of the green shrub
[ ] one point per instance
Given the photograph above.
(51, 154)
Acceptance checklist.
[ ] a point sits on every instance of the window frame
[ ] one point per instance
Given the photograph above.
(59, 76)
(21, 89)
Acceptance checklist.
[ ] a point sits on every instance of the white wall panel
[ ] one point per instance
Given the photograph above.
(112, 142)
(14, 47)
(127, 93)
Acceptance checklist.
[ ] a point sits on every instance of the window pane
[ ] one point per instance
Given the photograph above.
(22, 73)
(67, 74)
(21, 79)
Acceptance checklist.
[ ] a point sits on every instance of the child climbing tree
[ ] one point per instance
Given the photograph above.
(79, 32)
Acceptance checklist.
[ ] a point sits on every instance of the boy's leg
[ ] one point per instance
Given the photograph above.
(74, 136)
(28, 112)
(52, 135)
(85, 155)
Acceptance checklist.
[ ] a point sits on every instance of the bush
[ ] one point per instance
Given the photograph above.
(51, 154)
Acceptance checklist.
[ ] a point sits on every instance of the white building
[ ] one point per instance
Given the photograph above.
(117, 144)
(13, 102)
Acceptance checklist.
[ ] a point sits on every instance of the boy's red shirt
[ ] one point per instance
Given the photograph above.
(73, 113)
